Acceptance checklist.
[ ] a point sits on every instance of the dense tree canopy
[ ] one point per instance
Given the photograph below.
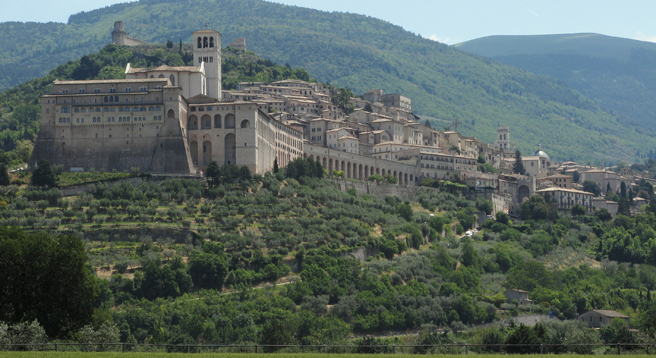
(45, 278)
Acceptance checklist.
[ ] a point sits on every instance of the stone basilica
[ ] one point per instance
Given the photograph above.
(161, 120)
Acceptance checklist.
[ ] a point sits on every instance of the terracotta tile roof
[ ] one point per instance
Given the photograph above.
(609, 313)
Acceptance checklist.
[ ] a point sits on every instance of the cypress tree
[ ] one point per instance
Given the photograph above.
(4, 176)
(518, 167)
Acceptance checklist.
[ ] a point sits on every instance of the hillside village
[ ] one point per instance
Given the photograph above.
(351, 263)
(367, 137)
(383, 126)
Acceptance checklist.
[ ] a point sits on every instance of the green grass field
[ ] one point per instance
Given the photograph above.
(245, 355)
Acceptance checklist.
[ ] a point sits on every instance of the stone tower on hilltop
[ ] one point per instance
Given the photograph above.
(207, 49)
(121, 38)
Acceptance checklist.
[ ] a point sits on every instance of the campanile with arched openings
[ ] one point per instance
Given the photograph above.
(207, 49)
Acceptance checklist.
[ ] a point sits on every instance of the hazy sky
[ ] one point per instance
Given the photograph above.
(446, 21)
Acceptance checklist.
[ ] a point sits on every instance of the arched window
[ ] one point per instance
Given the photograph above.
(199, 42)
(105, 99)
(206, 122)
(212, 41)
(47, 110)
(193, 122)
(217, 121)
(245, 123)
(205, 42)
(160, 76)
(230, 121)
(66, 109)
(172, 78)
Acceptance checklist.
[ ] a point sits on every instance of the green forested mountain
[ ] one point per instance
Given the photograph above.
(618, 73)
(358, 52)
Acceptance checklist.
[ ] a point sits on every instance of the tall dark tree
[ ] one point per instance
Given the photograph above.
(518, 167)
(4, 158)
(427, 123)
(43, 176)
(4, 176)
(213, 171)
(245, 174)
(45, 278)
(318, 170)
(275, 166)
(592, 186)
(208, 270)
(88, 69)
(623, 190)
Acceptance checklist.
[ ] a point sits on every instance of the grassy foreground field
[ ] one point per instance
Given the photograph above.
(247, 355)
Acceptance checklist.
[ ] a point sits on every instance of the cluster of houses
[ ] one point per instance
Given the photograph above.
(594, 318)
(382, 127)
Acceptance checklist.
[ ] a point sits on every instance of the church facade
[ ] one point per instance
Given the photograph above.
(161, 120)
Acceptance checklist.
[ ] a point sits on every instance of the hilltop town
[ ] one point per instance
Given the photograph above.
(178, 120)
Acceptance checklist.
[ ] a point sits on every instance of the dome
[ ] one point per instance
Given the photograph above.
(542, 154)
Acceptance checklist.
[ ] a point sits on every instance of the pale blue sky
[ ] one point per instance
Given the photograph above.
(447, 21)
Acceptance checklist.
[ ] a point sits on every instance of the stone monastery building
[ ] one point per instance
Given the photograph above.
(161, 120)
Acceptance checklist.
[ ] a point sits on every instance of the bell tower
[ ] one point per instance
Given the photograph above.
(503, 138)
(207, 49)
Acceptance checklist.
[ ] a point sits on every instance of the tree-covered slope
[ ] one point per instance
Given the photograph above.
(361, 52)
(618, 73)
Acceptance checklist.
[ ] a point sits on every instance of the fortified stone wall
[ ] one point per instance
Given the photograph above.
(139, 128)
(360, 167)
(381, 190)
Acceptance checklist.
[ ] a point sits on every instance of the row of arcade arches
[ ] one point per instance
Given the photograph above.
(201, 150)
(206, 122)
(361, 171)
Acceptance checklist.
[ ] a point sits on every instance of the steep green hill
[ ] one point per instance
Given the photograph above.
(618, 73)
(358, 52)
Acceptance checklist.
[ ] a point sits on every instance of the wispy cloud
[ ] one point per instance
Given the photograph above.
(434, 37)
(533, 12)
(642, 37)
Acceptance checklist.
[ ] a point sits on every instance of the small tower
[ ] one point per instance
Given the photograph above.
(503, 138)
(207, 49)
(118, 35)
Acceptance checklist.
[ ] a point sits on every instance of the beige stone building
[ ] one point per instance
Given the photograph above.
(161, 120)
(557, 180)
(605, 178)
(599, 318)
(520, 295)
(566, 198)
(114, 125)
(602, 203)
